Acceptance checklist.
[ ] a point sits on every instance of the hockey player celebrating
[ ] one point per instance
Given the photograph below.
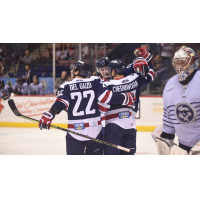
(20, 88)
(36, 88)
(141, 54)
(80, 97)
(181, 107)
(120, 119)
(4, 89)
(103, 69)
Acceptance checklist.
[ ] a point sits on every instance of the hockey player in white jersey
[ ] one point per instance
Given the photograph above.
(181, 107)
(79, 97)
(36, 88)
(20, 88)
(120, 119)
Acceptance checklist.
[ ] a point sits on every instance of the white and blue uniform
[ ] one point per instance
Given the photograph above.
(1, 95)
(23, 89)
(36, 89)
(182, 110)
(5, 90)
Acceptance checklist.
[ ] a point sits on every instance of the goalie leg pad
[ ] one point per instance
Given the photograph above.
(195, 149)
(176, 150)
(163, 145)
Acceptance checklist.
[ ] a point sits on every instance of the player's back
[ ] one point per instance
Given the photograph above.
(81, 96)
(121, 114)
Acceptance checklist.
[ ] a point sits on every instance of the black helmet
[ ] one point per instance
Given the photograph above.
(102, 62)
(19, 79)
(36, 76)
(83, 67)
(118, 65)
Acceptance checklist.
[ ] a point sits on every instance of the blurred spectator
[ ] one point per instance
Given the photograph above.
(69, 77)
(15, 58)
(70, 52)
(85, 50)
(160, 70)
(2, 74)
(35, 87)
(5, 89)
(27, 59)
(49, 58)
(157, 63)
(17, 48)
(61, 52)
(20, 88)
(167, 50)
(61, 80)
(38, 60)
(2, 57)
(28, 77)
(198, 54)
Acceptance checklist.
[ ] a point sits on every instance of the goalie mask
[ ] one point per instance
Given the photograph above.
(185, 62)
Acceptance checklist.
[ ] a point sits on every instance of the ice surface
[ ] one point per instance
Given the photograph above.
(33, 141)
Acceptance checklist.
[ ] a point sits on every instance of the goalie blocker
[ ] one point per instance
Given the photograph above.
(166, 146)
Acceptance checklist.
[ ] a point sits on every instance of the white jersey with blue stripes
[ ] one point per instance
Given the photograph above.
(182, 109)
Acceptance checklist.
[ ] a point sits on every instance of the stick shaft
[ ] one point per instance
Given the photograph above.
(17, 113)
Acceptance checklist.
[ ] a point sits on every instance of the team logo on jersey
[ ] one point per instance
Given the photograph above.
(79, 126)
(123, 115)
(124, 81)
(185, 113)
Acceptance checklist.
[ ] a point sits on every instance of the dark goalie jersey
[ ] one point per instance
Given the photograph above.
(80, 97)
(124, 116)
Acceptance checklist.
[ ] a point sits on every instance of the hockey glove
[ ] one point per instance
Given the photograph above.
(46, 119)
(129, 100)
(140, 52)
(141, 66)
(4, 97)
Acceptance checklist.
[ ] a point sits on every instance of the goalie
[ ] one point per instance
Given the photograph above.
(181, 108)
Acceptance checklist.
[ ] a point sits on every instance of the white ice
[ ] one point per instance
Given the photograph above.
(33, 141)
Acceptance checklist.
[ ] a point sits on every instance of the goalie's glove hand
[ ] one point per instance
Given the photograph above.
(129, 100)
(140, 52)
(4, 97)
(46, 119)
(141, 66)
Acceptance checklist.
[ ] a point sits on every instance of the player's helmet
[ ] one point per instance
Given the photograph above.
(83, 67)
(102, 62)
(185, 61)
(2, 83)
(36, 76)
(118, 65)
(19, 79)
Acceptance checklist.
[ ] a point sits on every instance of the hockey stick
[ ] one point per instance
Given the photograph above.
(17, 113)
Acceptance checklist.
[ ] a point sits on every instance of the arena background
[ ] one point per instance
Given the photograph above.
(49, 60)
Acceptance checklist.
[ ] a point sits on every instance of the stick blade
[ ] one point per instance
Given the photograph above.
(13, 107)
